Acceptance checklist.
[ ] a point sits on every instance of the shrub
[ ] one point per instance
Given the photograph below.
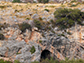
(46, 10)
(40, 41)
(67, 17)
(32, 50)
(69, 33)
(27, 18)
(16, 10)
(24, 26)
(51, 21)
(2, 7)
(16, 61)
(2, 37)
(18, 1)
(37, 24)
(43, 1)
(40, 18)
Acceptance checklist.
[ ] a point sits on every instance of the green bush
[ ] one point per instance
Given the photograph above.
(18, 1)
(67, 17)
(46, 10)
(37, 24)
(32, 50)
(2, 37)
(24, 26)
(40, 41)
(27, 18)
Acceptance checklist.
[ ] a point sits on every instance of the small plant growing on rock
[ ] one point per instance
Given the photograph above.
(2, 37)
(40, 41)
(27, 18)
(24, 26)
(46, 10)
(69, 33)
(18, 53)
(32, 50)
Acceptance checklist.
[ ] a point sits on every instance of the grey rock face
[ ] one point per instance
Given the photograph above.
(12, 47)
(35, 16)
(26, 55)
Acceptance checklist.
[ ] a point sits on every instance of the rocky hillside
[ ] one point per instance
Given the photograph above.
(37, 0)
(31, 32)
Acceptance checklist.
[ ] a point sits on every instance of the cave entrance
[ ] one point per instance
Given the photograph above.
(45, 54)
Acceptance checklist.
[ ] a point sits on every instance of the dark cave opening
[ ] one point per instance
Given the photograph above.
(45, 54)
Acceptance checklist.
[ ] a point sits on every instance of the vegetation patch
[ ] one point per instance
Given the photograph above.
(16, 1)
(16, 61)
(32, 50)
(46, 10)
(2, 61)
(24, 26)
(40, 41)
(62, 61)
(38, 24)
(66, 18)
(2, 7)
(43, 1)
(27, 18)
(2, 37)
